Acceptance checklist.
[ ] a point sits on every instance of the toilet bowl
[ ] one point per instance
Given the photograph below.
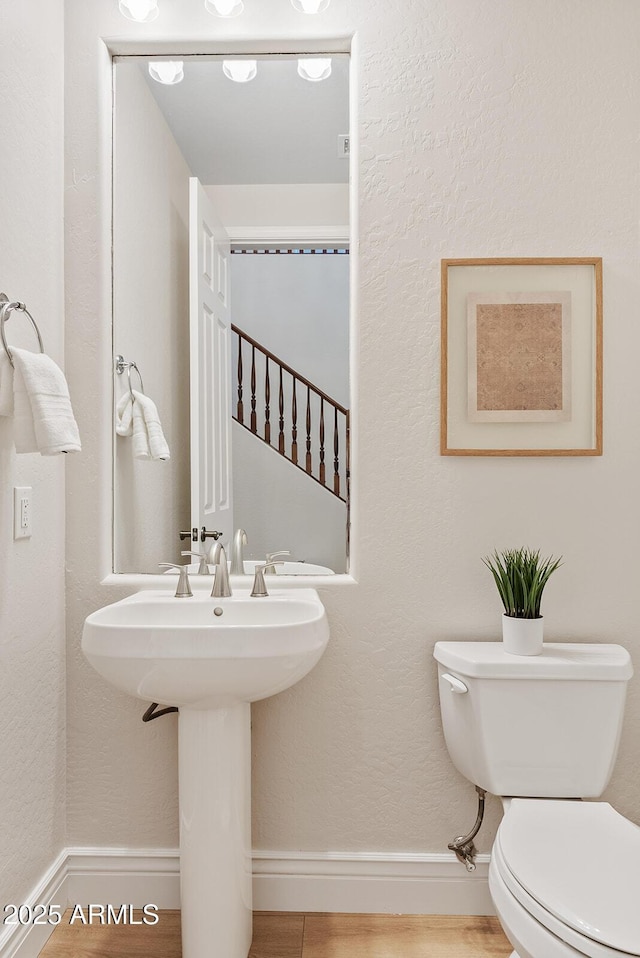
(544, 730)
(564, 879)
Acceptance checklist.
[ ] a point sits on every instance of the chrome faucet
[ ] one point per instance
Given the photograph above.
(214, 553)
(221, 588)
(237, 555)
(183, 589)
(203, 567)
(259, 585)
(269, 563)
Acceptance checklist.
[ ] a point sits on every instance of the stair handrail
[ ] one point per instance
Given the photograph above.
(292, 372)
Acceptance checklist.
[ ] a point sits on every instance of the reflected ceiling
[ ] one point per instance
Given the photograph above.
(288, 131)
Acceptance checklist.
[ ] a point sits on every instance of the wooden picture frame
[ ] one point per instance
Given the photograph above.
(521, 359)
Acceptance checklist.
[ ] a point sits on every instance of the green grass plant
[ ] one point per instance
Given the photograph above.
(520, 576)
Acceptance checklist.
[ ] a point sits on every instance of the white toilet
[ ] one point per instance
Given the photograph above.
(542, 731)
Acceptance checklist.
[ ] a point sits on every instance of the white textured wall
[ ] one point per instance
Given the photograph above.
(282, 204)
(151, 306)
(32, 657)
(484, 129)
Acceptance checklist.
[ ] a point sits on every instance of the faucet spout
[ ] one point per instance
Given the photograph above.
(214, 553)
(221, 588)
(237, 554)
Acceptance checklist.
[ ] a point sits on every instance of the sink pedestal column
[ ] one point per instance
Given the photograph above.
(214, 750)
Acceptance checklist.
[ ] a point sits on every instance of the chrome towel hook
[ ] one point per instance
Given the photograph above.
(121, 365)
(6, 308)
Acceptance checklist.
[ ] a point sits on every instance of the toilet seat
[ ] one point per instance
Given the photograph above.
(574, 867)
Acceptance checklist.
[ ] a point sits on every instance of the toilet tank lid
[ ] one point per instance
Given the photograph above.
(558, 660)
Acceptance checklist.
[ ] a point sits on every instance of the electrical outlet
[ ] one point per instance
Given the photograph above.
(344, 144)
(22, 512)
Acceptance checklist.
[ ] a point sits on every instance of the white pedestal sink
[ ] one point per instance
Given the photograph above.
(211, 658)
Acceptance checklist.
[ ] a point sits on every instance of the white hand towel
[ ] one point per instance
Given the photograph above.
(6, 385)
(140, 437)
(41, 394)
(24, 433)
(130, 422)
(146, 409)
(138, 417)
(124, 415)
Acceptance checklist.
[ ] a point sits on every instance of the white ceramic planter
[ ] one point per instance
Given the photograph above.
(522, 636)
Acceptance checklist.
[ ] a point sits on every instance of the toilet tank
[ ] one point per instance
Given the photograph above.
(540, 726)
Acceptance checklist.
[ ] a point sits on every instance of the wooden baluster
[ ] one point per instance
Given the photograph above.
(240, 407)
(254, 423)
(294, 424)
(281, 420)
(338, 484)
(308, 424)
(322, 477)
(336, 458)
(267, 397)
(347, 465)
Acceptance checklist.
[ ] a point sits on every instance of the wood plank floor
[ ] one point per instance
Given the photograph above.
(295, 935)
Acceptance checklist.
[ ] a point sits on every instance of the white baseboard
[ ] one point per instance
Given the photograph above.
(365, 882)
(26, 941)
(116, 876)
(370, 883)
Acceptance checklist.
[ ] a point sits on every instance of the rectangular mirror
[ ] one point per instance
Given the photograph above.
(231, 297)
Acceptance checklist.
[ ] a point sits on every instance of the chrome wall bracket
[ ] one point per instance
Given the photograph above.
(463, 846)
(6, 308)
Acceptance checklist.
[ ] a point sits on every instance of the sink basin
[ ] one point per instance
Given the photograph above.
(206, 653)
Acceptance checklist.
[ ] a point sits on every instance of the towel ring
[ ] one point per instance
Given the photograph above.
(121, 365)
(6, 308)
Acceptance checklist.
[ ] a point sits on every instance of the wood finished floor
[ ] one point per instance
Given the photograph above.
(295, 935)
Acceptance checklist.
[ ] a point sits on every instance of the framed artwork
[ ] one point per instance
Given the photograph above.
(521, 360)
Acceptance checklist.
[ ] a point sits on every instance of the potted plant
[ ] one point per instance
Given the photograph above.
(520, 576)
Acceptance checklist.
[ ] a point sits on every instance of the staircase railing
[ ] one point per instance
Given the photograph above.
(301, 409)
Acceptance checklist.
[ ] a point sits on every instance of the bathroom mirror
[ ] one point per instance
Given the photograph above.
(231, 297)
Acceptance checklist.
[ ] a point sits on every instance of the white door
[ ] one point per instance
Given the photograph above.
(210, 337)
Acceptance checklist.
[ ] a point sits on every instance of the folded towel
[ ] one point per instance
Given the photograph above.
(124, 415)
(157, 443)
(43, 418)
(6, 385)
(137, 416)
(140, 439)
(130, 422)
(24, 433)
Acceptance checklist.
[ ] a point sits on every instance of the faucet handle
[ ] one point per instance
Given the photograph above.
(183, 589)
(203, 568)
(271, 556)
(259, 585)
